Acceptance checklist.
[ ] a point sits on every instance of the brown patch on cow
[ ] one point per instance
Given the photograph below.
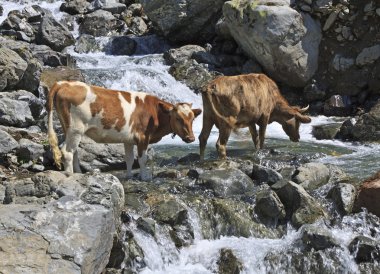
(108, 103)
(144, 118)
(66, 95)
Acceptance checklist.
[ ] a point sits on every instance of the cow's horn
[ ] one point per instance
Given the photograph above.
(302, 110)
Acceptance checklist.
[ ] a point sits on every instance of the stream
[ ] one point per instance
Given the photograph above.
(147, 72)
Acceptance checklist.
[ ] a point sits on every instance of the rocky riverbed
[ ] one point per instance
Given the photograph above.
(290, 208)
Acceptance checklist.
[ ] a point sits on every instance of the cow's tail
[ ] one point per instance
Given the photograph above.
(231, 121)
(52, 136)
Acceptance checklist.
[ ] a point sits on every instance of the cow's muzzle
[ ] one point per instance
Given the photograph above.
(188, 139)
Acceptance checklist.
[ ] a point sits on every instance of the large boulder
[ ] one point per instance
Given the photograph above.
(311, 175)
(54, 34)
(300, 207)
(75, 7)
(369, 195)
(284, 41)
(184, 21)
(71, 233)
(12, 68)
(343, 196)
(7, 143)
(100, 23)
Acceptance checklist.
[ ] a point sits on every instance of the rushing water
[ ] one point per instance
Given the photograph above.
(149, 73)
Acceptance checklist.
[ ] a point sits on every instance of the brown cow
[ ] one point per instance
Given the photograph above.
(111, 116)
(232, 102)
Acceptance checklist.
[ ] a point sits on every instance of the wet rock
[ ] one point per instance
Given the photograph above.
(287, 57)
(134, 255)
(300, 207)
(191, 73)
(345, 131)
(87, 43)
(326, 132)
(117, 255)
(50, 238)
(100, 23)
(225, 182)
(173, 18)
(75, 7)
(147, 225)
(181, 236)
(122, 45)
(263, 174)
(13, 67)
(228, 263)
(48, 57)
(138, 26)
(317, 237)
(364, 249)
(343, 196)
(54, 34)
(368, 195)
(170, 212)
(337, 105)
(311, 175)
(368, 55)
(14, 111)
(7, 143)
(181, 54)
(1, 10)
(109, 5)
(269, 206)
(341, 63)
(29, 150)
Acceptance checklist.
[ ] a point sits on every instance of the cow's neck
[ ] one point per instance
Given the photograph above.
(164, 127)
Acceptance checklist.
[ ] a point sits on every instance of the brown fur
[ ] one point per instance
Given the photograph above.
(232, 102)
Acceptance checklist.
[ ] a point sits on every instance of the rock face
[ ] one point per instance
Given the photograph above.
(184, 21)
(71, 233)
(369, 195)
(54, 34)
(262, 30)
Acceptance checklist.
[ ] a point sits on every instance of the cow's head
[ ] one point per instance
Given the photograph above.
(291, 126)
(181, 120)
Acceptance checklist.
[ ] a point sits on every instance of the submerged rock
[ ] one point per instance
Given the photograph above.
(326, 132)
(228, 263)
(365, 249)
(317, 237)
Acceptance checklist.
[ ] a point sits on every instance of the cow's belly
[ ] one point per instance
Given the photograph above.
(109, 136)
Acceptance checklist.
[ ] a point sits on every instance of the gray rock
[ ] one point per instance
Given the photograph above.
(181, 54)
(312, 92)
(73, 234)
(138, 26)
(269, 206)
(341, 63)
(7, 143)
(343, 196)
(228, 263)
(112, 6)
(265, 175)
(222, 30)
(122, 45)
(12, 68)
(54, 34)
(48, 57)
(364, 249)
(100, 23)
(29, 150)
(289, 57)
(330, 20)
(318, 238)
(327, 131)
(75, 7)
(337, 105)
(87, 43)
(311, 175)
(186, 21)
(225, 182)
(147, 225)
(191, 73)
(368, 55)
(170, 212)
(14, 111)
(251, 66)
(299, 205)
(1, 10)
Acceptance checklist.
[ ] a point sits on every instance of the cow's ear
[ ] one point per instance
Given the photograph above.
(165, 107)
(303, 118)
(196, 112)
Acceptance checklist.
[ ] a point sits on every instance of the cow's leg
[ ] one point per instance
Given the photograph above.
(129, 158)
(203, 137)
(224, 134)
(263, 128)
(143, 158)
(68, 150)
(76, 163)
(255, 136)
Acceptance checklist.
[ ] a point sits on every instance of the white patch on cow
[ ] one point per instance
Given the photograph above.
(185, 109)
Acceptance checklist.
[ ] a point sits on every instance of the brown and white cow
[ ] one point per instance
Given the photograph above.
(111, 116)
(232, 102)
